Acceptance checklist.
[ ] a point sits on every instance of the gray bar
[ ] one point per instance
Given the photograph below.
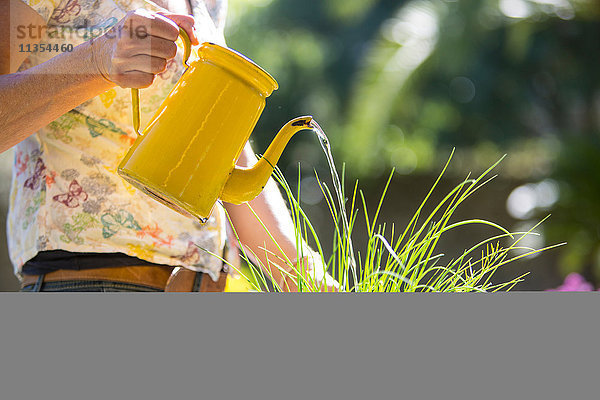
(215, 346)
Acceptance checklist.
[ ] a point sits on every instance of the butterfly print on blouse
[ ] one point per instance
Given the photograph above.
(127, 140)
(42, 243)
(21, 162)
(108, 97)
(155, 233)
(191, 256)
(50, 178)
(73, 197)
(31, 211)
(72, 231)
(99, 127)
(68, 12)
(39, 174)
(59, 128)
(112, 222)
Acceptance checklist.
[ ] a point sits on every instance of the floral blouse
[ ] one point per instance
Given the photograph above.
(65, 191)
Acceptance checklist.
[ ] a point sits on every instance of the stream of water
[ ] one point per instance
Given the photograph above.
(337, 187)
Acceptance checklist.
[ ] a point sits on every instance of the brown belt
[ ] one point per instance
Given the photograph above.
(165, 278)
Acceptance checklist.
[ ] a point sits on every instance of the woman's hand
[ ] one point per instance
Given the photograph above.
(313, 273)
(138, 47)
(129, 55)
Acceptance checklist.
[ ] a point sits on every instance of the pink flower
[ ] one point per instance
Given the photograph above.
(574, 283)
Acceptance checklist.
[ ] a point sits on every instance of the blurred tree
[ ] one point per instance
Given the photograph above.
(399, 83)
(314, 49)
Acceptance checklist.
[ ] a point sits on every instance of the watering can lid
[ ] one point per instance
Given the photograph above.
(239, 64)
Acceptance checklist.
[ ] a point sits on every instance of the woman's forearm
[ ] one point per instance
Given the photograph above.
(130, 54)
(31, 99)
(273, 212)
(270, 207)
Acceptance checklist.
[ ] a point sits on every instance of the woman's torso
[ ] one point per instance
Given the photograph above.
(65, 192)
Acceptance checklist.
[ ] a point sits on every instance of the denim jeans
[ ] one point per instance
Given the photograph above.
(87, 286)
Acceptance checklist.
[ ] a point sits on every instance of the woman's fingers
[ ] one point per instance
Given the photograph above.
(136, 79)
(151, 46)
(140, 45)
(146, 63)
(186, 22)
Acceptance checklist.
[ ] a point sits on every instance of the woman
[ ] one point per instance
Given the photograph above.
(73, 224)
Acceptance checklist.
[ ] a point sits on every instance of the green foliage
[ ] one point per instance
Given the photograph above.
(408, 78)
(399, 83)
(406, 260)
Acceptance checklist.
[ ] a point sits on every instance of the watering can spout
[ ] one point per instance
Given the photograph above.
(244, 184)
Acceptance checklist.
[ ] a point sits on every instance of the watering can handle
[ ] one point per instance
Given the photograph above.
(135, 93)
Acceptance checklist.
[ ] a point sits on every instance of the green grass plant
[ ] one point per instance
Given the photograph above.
(394, 260)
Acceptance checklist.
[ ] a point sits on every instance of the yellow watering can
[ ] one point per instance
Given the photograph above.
(185, 158)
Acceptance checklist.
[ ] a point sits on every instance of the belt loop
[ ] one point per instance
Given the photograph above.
(38, 284)
(197, 281)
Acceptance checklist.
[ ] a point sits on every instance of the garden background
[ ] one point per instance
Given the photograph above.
(400, 83)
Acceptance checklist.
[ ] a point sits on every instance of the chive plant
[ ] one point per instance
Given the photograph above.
(394, 260)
